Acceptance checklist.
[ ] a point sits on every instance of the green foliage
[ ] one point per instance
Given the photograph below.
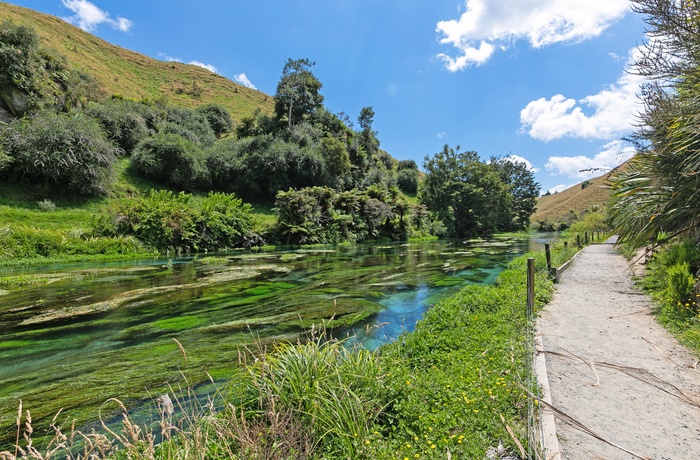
(164, 221)
(123, 121)
(679, 292)
(671, 278)
(591, 222)
(225, 222)
(337, 161)
(523, 193)
(407, 180)
(312, 379)
(190, 124)
(297, 96)
(46, 206)
(320, 215)
(657, 192)
(64, 153)
(470, 197)
(20, 60)
(172, 159)
(218, 118)
(21, 242)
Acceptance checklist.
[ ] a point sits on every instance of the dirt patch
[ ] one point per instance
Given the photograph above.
(614, 370)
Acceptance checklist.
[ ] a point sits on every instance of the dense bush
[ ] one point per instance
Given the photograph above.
(224, 222)
(407, 180)
(20, 60)
(65, 153)
(322, 215)
(219, 119)
(189, 124)
(171, 159)
(123, 121)
(164, 220)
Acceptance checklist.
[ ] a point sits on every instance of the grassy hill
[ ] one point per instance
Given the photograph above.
(558, 206)
(136, 76)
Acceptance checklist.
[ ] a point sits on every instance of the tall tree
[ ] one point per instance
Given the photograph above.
(523, 191)
(297, 93)
(467, 195)
(368, 136)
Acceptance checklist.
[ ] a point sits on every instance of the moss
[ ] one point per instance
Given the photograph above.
(179, 323)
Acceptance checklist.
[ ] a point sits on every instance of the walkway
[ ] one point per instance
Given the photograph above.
(614, 370)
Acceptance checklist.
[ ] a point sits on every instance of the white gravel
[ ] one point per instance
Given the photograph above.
(622, 376)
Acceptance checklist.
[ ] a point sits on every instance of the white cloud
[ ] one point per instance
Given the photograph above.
(243, 80)
(558, 188)
(519, 159)
(489, 24)
(165, 57)
(440, 135)
(614, 111)
(209, 67)
(88, 16)
(582, 167)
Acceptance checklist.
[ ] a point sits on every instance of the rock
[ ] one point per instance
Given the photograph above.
(14, 100)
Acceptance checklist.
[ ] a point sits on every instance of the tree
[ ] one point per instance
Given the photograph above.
(522, 189)
(368, 136)
(467, 195)
(657, 192)
(218, 117)
(297, 94)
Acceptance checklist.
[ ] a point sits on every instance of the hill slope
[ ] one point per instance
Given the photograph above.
(558, 206)
(136, 76)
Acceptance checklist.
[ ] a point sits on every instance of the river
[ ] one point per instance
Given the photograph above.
(90, 332)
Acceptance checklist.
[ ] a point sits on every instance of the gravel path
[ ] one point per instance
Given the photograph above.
(614, 369)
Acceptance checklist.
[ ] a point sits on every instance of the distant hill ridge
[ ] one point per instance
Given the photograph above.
(135, 76)
(557, 207)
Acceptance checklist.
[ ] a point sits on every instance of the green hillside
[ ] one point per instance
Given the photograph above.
(136, 76)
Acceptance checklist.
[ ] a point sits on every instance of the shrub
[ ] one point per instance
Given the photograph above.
(19, 57)
(226, 165)
(46, 206)
(162, 220)
(679, 292)
(171, 159)
(218, 118)
(189, 124)
(122, 122)
(224, 222)
(407, 180)
(165, 220)
(62, 152)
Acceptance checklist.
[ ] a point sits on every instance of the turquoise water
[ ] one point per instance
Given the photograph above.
(99, 331)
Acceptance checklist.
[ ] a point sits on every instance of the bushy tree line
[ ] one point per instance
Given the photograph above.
(323, 215)
(473, 198)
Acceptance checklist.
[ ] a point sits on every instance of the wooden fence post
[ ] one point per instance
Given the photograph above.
(578, 240)
(530, 284)
(548, 255)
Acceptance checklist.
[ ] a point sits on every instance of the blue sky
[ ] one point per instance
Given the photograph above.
(541, 79)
